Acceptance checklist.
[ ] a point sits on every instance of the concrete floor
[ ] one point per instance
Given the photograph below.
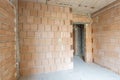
(81, 71)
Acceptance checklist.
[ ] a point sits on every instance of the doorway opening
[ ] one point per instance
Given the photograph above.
(79, 40)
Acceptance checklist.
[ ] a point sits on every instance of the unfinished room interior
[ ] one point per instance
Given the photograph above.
(59, 39)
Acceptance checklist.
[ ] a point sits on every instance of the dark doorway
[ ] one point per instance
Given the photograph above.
(79, 40)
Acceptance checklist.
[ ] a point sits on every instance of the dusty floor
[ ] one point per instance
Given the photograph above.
(81, 71)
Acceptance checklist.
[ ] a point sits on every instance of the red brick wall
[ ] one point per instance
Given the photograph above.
(106, 37)
(45, 38)
(7, 41)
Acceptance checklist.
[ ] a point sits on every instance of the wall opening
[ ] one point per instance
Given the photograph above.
(79, 40)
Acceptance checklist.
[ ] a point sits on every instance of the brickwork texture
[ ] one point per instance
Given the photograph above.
(106, 37)
(7, 41)
(45, 33)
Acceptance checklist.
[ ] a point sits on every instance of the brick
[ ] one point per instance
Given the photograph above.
(38, 34)
(5, 27)
(48, 14)
(3, 32)
(26, 27)
(23, 33)
(53, 21)
(34, 27)
(26, 12)
(47, 28)
(41, 13)
(67, 22)
(50, 8)
(67, 10)
(22, 4)
(49, 21)
(47, 69)
(30, 34)
(29, 5)
(37, 20)
(37, 63)
(30, 19)
(63, 28)
(20, 11)
(22, 19)
(55, 28)
(62, 22)
(56, 8)
(59, 15)
(44, 20)
(44, 7)
(70, 16)
(64, 16)
(37, 6)
(27, 57)
(70, 28)
(33, 13)
(57, 22)
(62, 9)
(41, 27)
(57, 34)
(54, 14)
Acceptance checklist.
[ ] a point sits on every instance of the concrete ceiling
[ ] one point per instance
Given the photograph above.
(79, 6)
